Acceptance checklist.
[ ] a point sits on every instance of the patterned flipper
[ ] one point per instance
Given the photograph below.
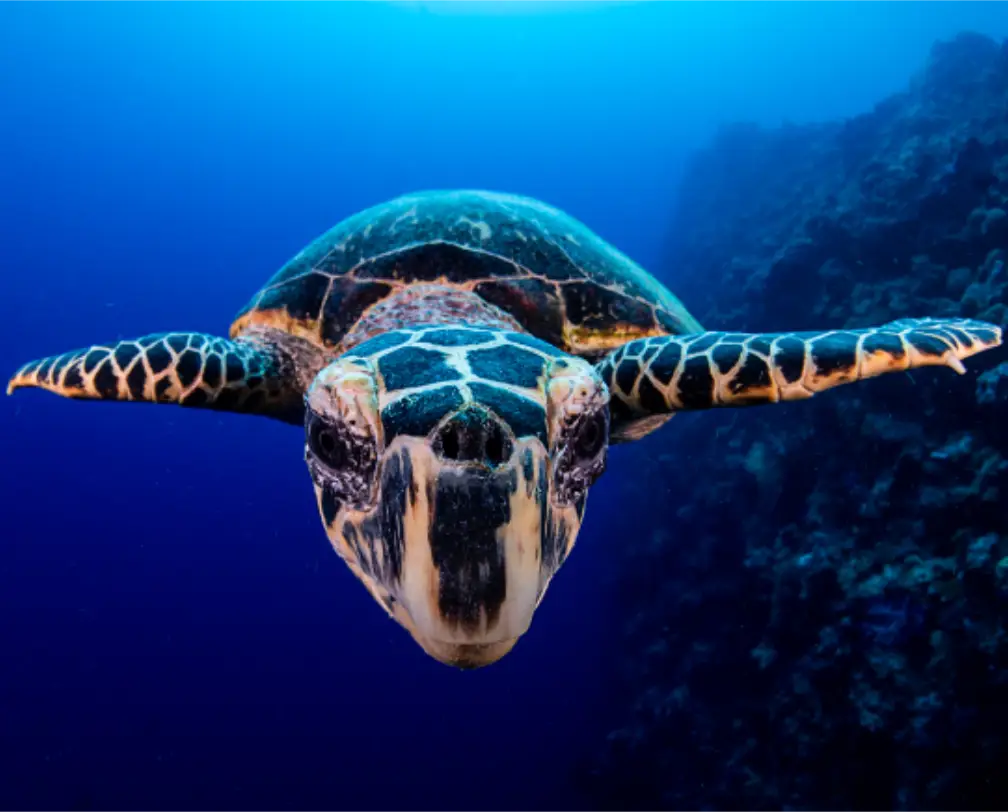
(654, 377)
(186, 369)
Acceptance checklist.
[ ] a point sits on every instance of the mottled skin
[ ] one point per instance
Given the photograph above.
(460, 363)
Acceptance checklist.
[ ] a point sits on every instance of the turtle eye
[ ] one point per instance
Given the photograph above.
(326, 444)
(583, 457)
(591, 437)
(341, 462)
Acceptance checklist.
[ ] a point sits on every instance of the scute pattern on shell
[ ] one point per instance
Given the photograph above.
(558, 279)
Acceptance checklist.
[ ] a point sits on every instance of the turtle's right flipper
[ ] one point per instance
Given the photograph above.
(660, 376)
(186, 369)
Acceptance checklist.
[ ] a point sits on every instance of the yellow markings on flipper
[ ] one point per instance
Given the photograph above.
(685, 372)
(879, 362)
(51, 373)
(181, 368)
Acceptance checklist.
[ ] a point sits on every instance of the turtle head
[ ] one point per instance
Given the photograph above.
(453, 483)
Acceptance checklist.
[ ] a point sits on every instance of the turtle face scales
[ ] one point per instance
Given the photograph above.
(454, 484)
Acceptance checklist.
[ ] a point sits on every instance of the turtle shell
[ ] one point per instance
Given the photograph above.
(552, 274)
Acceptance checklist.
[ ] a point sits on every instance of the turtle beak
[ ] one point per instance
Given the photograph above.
(472, 574)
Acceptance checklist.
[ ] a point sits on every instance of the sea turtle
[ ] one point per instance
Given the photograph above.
(460, 362)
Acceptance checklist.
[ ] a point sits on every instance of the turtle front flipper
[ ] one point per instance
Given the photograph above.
(186, 369)
(651, 379)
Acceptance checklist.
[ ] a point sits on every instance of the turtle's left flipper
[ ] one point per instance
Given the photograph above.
(654, 377)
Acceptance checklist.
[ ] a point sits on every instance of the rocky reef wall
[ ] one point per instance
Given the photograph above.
(821, 620)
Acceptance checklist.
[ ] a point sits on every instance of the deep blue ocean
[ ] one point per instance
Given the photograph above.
(175, 630)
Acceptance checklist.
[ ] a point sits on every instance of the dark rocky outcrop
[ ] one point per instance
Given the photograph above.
(822, 622)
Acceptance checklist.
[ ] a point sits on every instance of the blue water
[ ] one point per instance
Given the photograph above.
(176, 631)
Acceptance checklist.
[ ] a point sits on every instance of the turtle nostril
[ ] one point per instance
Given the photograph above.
(472, 437)
(497, 447)
(449, 443)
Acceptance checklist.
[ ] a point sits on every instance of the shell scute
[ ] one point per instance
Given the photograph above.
(593, 306)
(302, 296)
(347, 300)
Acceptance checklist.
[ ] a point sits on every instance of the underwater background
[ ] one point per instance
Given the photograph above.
(801, 606)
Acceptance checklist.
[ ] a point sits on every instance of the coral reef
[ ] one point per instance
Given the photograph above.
(822, 622)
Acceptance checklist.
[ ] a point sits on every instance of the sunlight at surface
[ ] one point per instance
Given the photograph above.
(507, 6)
